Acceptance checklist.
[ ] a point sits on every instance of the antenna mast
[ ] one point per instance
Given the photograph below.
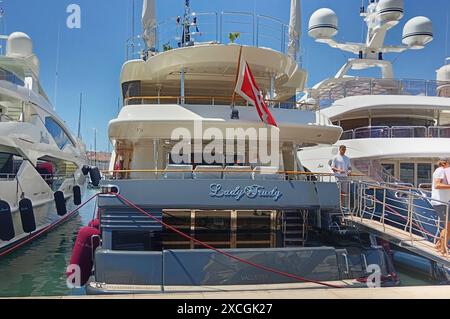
(79, 115)
(2, 23)
(186, 25)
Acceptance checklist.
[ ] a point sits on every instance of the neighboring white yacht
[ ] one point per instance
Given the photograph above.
(41, 162)
(394, 130)
(239, 202)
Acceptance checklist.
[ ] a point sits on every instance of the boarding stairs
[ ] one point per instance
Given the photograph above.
(295, 228)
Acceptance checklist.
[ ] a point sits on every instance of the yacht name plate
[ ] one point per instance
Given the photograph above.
(250, 191)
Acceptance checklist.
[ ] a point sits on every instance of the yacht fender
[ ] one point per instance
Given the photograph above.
(6, 222)
(27, 215)
(95, 176)
(83, 252)
(60, 203)
(85, 170)
(77, 195)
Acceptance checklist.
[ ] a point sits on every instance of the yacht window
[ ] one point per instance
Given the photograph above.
(424, 173)
(407, 173)
(59, 135)
(55, 171)
(181, 220)
(131, 89)
(254, 229)
(9, 164)
(6, 75)
(213, 227)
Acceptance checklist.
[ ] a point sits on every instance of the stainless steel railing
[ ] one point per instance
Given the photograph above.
(400, 207)
(214, 27)
(397, 132)
(213, 101)
(333, 90)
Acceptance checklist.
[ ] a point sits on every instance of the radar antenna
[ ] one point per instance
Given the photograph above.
(380, 16)
(187, 22)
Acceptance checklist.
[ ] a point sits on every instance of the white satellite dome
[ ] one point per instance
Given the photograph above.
(323, 24)
(390, 10)
(19, 45)
(443, 78)
(418, 32)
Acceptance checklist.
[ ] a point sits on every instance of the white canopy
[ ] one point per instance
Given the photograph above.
(149, 23)
(295, 29)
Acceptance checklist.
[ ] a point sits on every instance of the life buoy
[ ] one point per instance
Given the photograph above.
(27, 215)
(82, 254)
(6, 222)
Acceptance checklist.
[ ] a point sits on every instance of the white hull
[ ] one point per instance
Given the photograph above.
(46, 219)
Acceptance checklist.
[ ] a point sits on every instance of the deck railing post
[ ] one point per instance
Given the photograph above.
(446, 231)
(363, 198)
(410, 217)
(384, 209)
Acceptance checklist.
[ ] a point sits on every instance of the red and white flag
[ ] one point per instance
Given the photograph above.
(248, 89)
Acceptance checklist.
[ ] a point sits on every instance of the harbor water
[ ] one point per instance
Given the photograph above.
(38, 269)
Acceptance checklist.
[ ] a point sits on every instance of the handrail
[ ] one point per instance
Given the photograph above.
(214, 28)
(223, 171)
(289, 175)
(389, 132)
(214, 99)
(404, 211)
(335, 89)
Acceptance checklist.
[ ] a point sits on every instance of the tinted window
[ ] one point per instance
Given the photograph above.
(6, 75)
(57, 132)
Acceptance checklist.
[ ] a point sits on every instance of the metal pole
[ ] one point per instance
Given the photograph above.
(446, 232)
(95, 147)
(182, 85)
(410, 216)
(79, 116)
(384, 209)
(272, 89)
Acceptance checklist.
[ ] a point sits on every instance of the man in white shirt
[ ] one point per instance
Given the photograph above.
(342, 168)
(441, 189)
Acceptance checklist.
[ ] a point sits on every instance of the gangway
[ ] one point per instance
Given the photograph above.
(400, 215)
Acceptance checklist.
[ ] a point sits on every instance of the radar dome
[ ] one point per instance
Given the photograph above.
(323, 24)
(418, 32)
(443, 79)
(19, 45)
(390, 10)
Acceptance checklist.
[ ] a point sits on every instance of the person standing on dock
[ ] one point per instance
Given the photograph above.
(440, 188)
(341, 167)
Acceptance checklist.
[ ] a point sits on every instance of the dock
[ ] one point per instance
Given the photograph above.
(424, 292)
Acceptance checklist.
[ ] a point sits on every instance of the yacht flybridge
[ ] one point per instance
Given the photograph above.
(40, 161)
(179, 182)
(394, 129)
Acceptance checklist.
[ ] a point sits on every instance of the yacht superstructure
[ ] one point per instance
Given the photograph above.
(181, 182)
(40, 160)
(394, 129)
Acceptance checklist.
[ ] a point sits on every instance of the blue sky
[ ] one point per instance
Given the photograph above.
(90, 58)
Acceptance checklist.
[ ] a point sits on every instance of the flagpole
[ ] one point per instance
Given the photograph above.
(233, 98)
